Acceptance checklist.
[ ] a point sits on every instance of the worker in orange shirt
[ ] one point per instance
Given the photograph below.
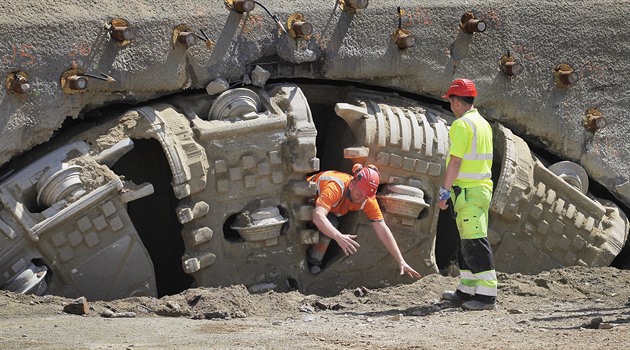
(339, 193)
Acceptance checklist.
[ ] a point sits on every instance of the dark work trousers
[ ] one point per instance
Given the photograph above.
(315, 253)
(476, 261)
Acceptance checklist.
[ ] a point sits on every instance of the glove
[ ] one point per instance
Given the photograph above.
(444, 194)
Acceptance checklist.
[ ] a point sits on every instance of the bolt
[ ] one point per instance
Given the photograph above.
(242, 6)
(404, 41)
(186, 39)
(568, 77)
(77, 82)
(20, 85)
(302, 28)
(511, 68)
(594, 120)
(475, 26)
(470, 24)
(564, 75)
(121, 34)
(357, 4)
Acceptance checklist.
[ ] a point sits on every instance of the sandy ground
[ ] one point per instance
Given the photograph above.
(572, 308)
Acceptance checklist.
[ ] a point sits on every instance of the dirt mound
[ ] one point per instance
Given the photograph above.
(515, 290)
(571, 308)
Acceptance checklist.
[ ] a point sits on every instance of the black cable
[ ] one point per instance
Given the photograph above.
(274, 17)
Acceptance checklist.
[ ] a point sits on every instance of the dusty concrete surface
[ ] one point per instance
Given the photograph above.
(44, 41)
(572, 308)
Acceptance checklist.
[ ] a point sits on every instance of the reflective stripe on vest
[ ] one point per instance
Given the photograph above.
(331, 178)
(474, 176)
(473, 155)
(338, 182)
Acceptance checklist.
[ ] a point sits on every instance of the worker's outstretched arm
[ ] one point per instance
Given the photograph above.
(346, 242)
(387, 238)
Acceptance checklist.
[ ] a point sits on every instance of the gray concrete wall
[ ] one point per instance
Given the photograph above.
(45, 39)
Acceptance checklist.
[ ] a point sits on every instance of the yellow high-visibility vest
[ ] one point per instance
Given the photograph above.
(471, 139)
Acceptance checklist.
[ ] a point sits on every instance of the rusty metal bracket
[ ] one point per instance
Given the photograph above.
(298, 26)
(564, 75)
(73, 81)
(402, 37)
(509, 65)
(594, 120)
(183, 36)
(119, 31)
(470, 24)
(240, 6)
(351, 6)
(17, 82)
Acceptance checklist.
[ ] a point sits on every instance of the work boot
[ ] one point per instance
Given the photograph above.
(455, 296)
(315, 269)
(476, 305)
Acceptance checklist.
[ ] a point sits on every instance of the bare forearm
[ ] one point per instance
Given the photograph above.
(323, 224)
(452, 170)
(385, 236)
(388, 240)
(346, 242)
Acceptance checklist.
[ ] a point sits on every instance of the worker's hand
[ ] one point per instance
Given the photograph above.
(443, 196)
(404, 267)
(347, 243)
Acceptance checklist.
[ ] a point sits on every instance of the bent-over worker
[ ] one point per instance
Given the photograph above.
(339, 193)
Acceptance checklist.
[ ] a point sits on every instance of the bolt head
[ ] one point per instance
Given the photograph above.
(242, 6)
(186, 39)
(512, 68)
(302, 28)
(595, 122)
(474, 25)
(77, 82)
(121, 34)
(481, 26)
(357, 4)
(25, 87)
(20, 85)
(405, 41)
(569, 77)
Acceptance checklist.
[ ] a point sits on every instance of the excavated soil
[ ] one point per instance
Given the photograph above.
(571, 308)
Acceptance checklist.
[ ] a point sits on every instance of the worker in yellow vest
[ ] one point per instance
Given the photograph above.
(467, 187)
(339, 193)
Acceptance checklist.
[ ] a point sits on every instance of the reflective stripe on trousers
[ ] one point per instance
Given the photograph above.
(483, 283)
(476, 263)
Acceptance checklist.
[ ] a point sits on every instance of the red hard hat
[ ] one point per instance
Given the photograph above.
(461, 87)
(367, 178)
